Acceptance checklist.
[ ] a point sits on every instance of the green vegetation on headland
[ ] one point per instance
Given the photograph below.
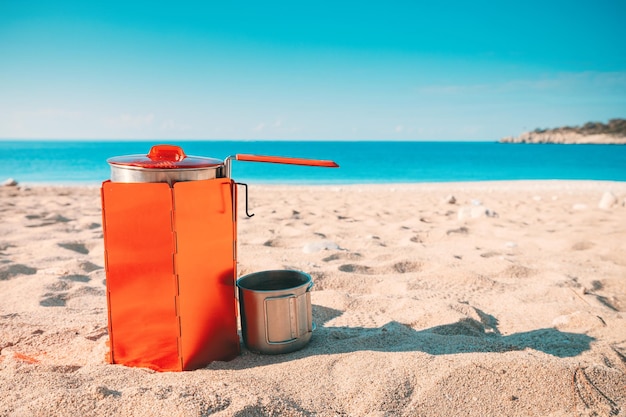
(613, 132)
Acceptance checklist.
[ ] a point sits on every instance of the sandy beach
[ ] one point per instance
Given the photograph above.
(472, 299)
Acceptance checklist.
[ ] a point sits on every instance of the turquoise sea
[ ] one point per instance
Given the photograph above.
(84, 162)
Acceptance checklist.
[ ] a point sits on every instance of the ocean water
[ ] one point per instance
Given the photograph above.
(84, 162)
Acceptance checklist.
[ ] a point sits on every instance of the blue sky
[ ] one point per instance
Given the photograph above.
(339, 70)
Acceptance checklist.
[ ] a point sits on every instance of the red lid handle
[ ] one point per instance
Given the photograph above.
(166, 153)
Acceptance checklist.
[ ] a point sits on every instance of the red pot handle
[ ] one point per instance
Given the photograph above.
(286, 160)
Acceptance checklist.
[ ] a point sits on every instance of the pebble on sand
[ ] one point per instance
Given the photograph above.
(475, 212)
(9, 182)
(607, 201)
(450, 199)
(313, 247)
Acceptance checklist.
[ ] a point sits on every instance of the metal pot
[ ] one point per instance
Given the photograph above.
(275, 309)
(170, 164)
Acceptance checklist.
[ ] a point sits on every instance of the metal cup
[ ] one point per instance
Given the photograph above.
(275, 310)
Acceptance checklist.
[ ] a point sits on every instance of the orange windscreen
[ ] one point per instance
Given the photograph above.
(170, 265)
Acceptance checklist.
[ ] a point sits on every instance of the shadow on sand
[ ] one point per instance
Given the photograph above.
(465, 336)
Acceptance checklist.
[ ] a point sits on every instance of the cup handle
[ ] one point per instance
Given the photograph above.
(299, 320)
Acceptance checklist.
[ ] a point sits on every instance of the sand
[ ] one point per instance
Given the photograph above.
(474, 299)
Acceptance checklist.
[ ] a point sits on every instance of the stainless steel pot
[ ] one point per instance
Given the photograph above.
(164, 163)
(170, 164)
(275, 309)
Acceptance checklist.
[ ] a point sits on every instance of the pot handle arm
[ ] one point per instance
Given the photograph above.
(286, 160)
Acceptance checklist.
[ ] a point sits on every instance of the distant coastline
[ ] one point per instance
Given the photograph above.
(592, 133)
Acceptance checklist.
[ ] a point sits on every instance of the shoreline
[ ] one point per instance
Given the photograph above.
(335, 184)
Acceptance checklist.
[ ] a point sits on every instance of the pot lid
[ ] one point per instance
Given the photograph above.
(165, 157)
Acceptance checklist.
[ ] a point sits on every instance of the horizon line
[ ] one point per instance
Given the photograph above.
(237, 140)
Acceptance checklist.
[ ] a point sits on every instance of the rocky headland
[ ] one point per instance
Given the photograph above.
(611, 133)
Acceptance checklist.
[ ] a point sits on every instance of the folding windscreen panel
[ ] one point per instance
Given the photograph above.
(170, 255)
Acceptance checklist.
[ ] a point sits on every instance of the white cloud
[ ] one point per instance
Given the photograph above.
(453, 89)
(278, 129)
(129, 121)
(171, 125)
(54, 113)
(44, 122)
(565, 81)
(44, 115)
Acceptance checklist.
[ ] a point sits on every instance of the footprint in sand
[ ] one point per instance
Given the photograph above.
(405, 267)
(89, 266)
(359, 269)
(461, 231)
(5, 246)
(39, 220)
(70, 283)
(582, 245)
(417, 239)
(86, 291)
(63, 291)
(402, 267)
(53, 300)
(77, 278)
(75, 246)
(59, 286)
(11, 270)
(97, 333)
(340, 256)
(56, 295)
(518, 271)
(89, 225)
